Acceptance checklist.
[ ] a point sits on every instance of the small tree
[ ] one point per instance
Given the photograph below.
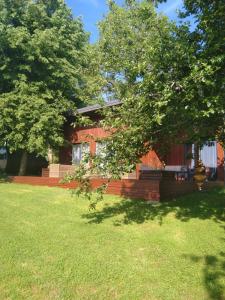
(42, 57)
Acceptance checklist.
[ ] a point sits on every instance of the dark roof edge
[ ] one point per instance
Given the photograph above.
(98, 106)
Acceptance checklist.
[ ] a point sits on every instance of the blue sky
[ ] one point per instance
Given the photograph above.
(92, 11)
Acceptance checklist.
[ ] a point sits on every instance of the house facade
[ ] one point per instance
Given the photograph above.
(83, 140)
(155, 178)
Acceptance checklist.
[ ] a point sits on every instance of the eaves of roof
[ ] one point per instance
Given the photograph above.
(95, 107)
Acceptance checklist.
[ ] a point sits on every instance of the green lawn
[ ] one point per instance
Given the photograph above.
(53, 247)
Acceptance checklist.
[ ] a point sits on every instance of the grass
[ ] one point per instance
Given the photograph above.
(53, 247)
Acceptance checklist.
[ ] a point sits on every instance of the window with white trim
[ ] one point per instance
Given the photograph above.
(100, 148)
(79, 151)
(101, 153)
(207, 154)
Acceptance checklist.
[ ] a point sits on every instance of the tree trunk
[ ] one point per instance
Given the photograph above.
(196, 154)
(23, 164)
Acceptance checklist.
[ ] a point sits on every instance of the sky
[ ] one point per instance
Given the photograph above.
(92, 12)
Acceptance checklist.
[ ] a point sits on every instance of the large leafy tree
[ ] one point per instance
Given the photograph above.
(170, 81)
(42, 61)
(144, 60)
(209, 73)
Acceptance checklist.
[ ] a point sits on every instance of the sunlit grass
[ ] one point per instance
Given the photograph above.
(53, 247)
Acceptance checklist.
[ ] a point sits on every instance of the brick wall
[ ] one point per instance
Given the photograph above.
(171, 189)
(135, 189)
(153, 190)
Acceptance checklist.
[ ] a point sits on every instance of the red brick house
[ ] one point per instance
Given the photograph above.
(177, 160)
(150, 180)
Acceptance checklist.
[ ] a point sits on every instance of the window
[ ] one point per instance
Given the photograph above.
(101, 153)
(100, 148)
(208, 154)
(78, 152)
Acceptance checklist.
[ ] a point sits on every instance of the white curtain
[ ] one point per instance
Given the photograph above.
(208, 155)
(78, 152)
(100, 148)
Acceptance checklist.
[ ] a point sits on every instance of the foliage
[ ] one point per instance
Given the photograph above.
(42, 57)
(170, 80)
(83, 174)
(143, 59)
(209, 80)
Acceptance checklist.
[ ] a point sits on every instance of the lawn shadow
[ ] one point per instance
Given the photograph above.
(201, 205)
(213, 272)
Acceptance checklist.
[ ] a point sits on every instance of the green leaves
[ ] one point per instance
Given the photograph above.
(170, 80)
(42, 62)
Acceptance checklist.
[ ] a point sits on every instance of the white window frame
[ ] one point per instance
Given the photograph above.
(208, 154)
(100, 145)
(78, 152)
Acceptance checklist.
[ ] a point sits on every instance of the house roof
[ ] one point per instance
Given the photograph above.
(98, 106)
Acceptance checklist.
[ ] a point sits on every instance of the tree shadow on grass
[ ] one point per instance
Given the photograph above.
(213, 274)
(201, 205)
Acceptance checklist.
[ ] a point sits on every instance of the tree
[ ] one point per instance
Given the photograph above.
(144, 59)
(170, 81)
(208, 37)
(42, 58)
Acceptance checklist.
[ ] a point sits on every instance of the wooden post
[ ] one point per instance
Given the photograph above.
(196, 154)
